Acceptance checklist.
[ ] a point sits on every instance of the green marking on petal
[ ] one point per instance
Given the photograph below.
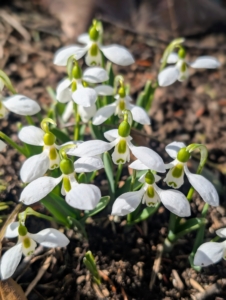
(120, 160)
(172, 184)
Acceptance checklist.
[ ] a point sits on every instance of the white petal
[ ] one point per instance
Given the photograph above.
(50, 238)
(103, 114)
(10, 260)
(84, 96)
(206, 62)
(32, 135)
(208, 254)
(127, 203)
(138, 165)
(172, 58)
(68, 111)
(175, 202)
(63, 93)
(62, 55)
(104, 90)
(84, 196)
(90, 148)
(38, 189)
(83, 38)
(204, 187)
(118, 55)
(22, 105)
(34, 167)
(88, 164)
(2, 145)
(12, 230)
(95, 75)
(86, 113)
(111, 134)
(173, 148)
(221, 232)
(139, 115)
(149, 157)
(168, 76)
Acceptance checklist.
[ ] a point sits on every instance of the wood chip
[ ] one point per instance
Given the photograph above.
(196, 285)
(41, 272)
(156, 265)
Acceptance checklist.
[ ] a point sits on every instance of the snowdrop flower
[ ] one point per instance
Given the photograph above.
(78, 195)
(18, 104)
(94, 51)
(150, 194)
(177, 168)
(122, 102)
(26, 245)
(211, 252)
(180, 70)
(76, 89)
(37, 165)
(121, 140)
(2, 145)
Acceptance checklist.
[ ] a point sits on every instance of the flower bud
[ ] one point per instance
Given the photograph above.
(66, 166)
(182, 53)
(49, 139)
(124, 129)
(122, 92)
(93, 33)
(22, 230)
(183, 155)
(149, 178)
(77, 72)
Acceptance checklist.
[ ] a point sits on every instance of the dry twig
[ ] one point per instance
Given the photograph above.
(156, 265)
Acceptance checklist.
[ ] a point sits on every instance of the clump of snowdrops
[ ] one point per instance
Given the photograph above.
(60, 169)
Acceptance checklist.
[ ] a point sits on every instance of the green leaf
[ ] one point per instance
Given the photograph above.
(109, 171)
(7, 82)
(190, 225)
(90, 264)
(82, 178)
(62, 137)
(77, 226)
(96, 131)
(100, 206)
(145, 214)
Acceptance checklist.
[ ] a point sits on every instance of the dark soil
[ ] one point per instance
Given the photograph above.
(194, 111)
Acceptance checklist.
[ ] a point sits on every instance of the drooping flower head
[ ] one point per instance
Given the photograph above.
(26, 245)
(123, 102)
(211, 252)
(179, 71)
(37, 165)
(77, 87)
(175, 176)
(78, 195)
(94, 51)
(121, 141)
(150, 194)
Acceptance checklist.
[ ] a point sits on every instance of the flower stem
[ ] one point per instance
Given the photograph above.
(30, 212)
(118, 174)
(13, 144)
(133, 179)
(29, 120)
(77, 119)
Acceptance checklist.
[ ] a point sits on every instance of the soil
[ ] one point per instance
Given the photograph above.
(194, 111)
